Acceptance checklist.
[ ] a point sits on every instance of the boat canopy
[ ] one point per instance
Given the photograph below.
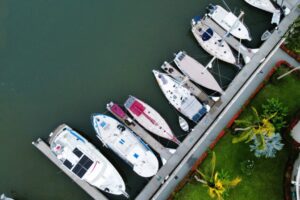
(137, 108)
(207, 34)
(115, 108)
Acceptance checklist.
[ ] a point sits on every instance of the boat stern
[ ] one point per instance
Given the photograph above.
(196, 118)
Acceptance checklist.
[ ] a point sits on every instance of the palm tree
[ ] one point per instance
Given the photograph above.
(255, 128)
(217, 183)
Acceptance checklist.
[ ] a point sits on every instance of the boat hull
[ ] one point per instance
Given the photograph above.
(265, 5)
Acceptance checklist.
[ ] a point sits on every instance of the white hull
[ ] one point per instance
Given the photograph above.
(85, 161)
(265, 5)
(183, 124)
(149, 118)
(126, 144)
(196, 72)
(229, 22)
(180, 97)
(210, 42)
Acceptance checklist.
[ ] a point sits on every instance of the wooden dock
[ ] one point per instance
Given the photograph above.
(196, 91)
(92, 191)
(135, 127)
(232, 41)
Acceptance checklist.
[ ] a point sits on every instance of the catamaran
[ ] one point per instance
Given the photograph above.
(211, 42)
(196, 72)
(265, 5)
(85, 161)
(149, 118)
(180, 97)
(229, 22)
(125, 144)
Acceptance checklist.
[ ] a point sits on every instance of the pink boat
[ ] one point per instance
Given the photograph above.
(149, 118)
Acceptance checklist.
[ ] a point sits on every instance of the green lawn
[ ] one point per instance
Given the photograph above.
(266, 182)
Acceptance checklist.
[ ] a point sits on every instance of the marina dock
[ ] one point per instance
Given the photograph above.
(196, 91)
(152, 142)
(232, 41)
(45, 149)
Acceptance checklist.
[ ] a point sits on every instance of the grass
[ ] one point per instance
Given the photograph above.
(266, 181)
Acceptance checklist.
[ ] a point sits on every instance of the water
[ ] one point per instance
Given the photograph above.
(63, 60)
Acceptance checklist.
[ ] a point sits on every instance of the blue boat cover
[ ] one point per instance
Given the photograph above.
(199, 114)
(207, 34)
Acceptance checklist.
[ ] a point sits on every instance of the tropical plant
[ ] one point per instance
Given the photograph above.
(255, 127)
(217, 183)
(273, 144)
(272, 106)
(293, 37)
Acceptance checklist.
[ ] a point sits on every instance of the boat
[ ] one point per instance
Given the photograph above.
(211, 42)
(3, 197)
(180, 97)
(82, 159)
(117, 137)
(149, 118)
(265, 35)
(183, 124)
(196, 71)
(265, 5)
(229, 22)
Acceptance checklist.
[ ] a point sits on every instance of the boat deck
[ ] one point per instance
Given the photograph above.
(153, 143)
(196, 91)
(45, 149)
(232, 41)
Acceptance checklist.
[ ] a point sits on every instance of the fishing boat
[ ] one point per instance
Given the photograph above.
(180, 97)
(229, 22)
(265, 5)
(85, 161)
(125, 144)
(3, 197)
(183, 124)
(149, 118)
(196, 71)
(211, 42)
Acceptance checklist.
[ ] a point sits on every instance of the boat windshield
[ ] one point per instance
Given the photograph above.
(207, 34)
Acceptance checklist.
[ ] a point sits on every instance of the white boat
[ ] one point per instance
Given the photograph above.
(229, 22)
(183, 124)
(180, 97)
(149, 118)
(265, 35)
(3, 197)
(126, 144)
(211, 42)
(85, 161)
(265, 5)
(196, 72)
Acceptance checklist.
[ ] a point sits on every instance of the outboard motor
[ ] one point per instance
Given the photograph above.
(211, 8)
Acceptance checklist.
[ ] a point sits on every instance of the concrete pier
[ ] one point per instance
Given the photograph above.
(135, 127)
(45, 149)
(196, 91)
(205, 132)
(232, 41)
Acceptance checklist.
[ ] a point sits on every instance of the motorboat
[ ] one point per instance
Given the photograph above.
(126, 144)
(149, 118)
(196, 71)
(3, 197)
(82, 159)
(229, 22)
(211, 42)
(180, 97)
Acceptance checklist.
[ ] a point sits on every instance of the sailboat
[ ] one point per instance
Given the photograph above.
(211, 42)
(196, 72)
(265, 5)
(82, 159)
(180, 97)
(149, 118)
(116, 136)
(229, 22)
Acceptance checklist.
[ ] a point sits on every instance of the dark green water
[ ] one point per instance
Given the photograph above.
(60, 61)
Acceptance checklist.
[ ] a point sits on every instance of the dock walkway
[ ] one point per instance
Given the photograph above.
(153, 143)
(206, 131)
(45, 149)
